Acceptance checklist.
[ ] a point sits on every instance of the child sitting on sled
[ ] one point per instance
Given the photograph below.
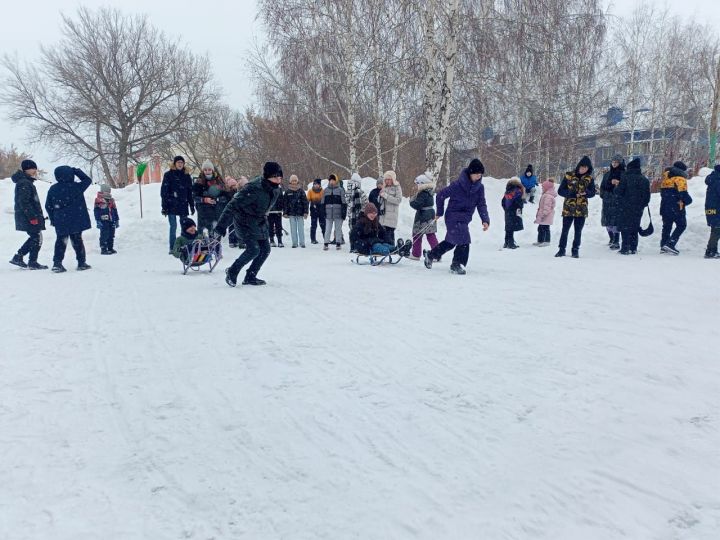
(185, 240)
(368, 236)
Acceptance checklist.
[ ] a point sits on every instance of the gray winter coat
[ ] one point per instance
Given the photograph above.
(334, 204)
(390, 199)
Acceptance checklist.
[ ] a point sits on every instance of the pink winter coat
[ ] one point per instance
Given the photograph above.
(546, 206)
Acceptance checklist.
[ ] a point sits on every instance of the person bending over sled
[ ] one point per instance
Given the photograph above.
(248, 210)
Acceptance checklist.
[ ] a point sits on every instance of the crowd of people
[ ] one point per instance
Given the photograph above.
(252, 212)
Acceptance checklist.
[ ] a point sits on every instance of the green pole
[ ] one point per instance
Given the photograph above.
(139, 172)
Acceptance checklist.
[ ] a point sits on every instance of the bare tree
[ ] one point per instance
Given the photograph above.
(109, 90)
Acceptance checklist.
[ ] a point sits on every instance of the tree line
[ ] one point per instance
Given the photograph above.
(364, 86)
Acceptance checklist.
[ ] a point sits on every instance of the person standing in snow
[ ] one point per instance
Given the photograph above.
(712, 212)
(334, 210)
(209, 196)
(674, 199)
(68, 213)
(176, 196)
(529, 182)
(314, 197)
(466, 194)
(424, 224)
(545, 212)
(356, 200)
(633, 195)
(275, 228)
(390, 197)
(610, 202)
(374, 196)
(512, 203)
(248, 210)
(28, 216)
(577, 187)
(107, 219)
(296, 210)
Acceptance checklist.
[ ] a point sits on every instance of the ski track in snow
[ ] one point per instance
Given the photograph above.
(533, 398)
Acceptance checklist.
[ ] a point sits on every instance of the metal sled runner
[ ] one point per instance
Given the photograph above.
(379, 259)
(201, 252)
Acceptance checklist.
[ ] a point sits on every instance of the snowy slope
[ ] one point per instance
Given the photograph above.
(534, 398)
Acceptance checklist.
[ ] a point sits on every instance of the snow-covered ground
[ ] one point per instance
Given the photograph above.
(533, 398)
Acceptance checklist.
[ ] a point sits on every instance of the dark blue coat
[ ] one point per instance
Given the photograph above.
(712, 198)
(465, 197)
(512, 203)
(176, 193)
(65, 203)
(633, 195)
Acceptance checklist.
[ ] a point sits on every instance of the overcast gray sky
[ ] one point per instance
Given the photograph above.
(223, 29)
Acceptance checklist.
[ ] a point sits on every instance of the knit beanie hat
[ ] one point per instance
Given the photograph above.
(618, 158)
(28, 164)
(207, 164)
(423, 179)
(390, 174)
(356, 177)
(547, 185)
(186, 223)
(370, 208)
(680, 165)
(178, 158)
(529, 169)
(317, 181)
(271, 169)
(104, 188)
(231, 182)
(476, 167)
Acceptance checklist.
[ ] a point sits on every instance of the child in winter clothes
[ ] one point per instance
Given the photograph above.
(184, 241)
(512, 202)
(577, 187)
(314, 197)
(296, 209)
(425, 224)
(529, 182)
(334, 209)
(545, 212)
(356, 200)
(368, 236)
(107, 219)
(674, 198)
(390, 197)
(712, 212)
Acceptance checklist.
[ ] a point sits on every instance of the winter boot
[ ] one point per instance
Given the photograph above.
(612, 238)
(313, 241)
(457, 269)
(105, 251)
(112, 251)
(272, 243)
(560, 253)
(17, 260)
(58, 268)
(280, 244)
(83, 266)
(230, 277)
(670, 248)
(427, 259)
(252, 279)
(711, 254)
(338, 247)
(615, 244)
(575, 253)
(34, 265)
(325, 247)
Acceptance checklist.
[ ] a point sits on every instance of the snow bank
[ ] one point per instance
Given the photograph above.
(543, 398)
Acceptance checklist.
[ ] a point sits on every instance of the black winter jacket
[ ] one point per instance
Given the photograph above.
(363, 238)
(176, 193)
(27, 204)
(249, 208)
(295, 203)
(633, 194)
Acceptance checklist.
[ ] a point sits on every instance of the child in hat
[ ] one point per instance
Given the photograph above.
(545, 212)
(512, 202)
(107, 219)
(188, 235)
(425, 224)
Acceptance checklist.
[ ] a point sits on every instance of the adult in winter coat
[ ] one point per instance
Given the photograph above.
(577, 187)
(466, 194)
(674, 198)
(545, 213)
(28, 216)
(295, 204)
(529, 183)
(248, 210)
(633, 195)
(68, 213)
(107, 219)
(209, 196)
(314, 197)
(356, 201)
(176, 195)
(610, 204)
(512, 203)
(374, 195)
(334, 209)
(424, 224)
(390, 197)
(368, 235)
(712, 212)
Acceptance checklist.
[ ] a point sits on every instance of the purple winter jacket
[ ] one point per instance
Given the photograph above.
(464, 197)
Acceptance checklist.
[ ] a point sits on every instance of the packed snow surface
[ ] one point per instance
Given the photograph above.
(533, 398)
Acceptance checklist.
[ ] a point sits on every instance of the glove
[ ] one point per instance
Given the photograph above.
(164, 212)
(34, 221)
(219, 232)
